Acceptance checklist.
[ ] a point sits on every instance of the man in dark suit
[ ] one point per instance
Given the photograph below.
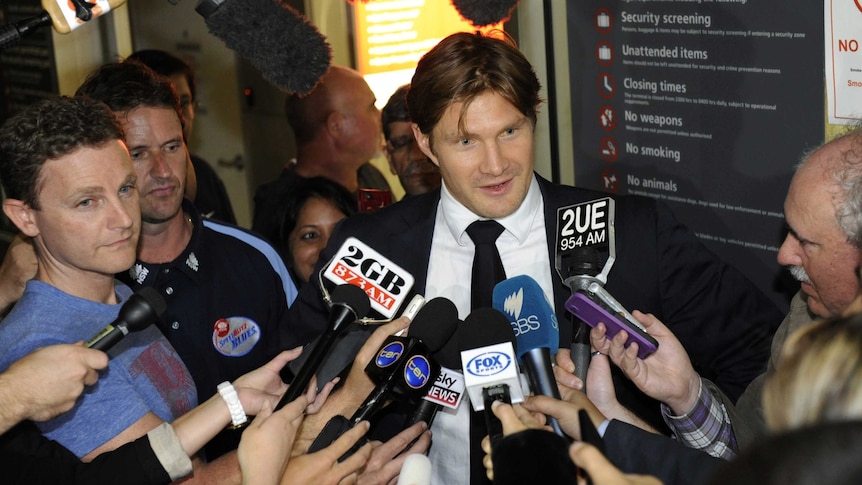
(473, 104)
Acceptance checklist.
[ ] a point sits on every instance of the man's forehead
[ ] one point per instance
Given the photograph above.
(150, 116)
(86, 160)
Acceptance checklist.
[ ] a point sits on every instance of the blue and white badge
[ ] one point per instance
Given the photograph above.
(235, 336)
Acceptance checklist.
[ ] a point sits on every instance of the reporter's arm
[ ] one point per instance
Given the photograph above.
(349, 397)
(47, 382)
(667, 375)
(634, 450)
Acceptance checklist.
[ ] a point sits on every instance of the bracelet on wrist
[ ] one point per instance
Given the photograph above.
(237, 413)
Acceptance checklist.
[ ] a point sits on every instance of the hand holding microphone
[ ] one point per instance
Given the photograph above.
(349, 303)
(536, 330)
(48, 382)
(141, 310)
(488, 359)
(585, 252)
(666, 376)
(402, 367)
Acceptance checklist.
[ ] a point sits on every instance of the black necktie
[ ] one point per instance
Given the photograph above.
(487, 265)
(487, 272)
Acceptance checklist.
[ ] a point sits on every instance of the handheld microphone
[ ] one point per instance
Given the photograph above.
(402, 368)
(387, 286)
(448, 389)
(490, 370)
(349, 303)
(536, 331)
(583, 230)
(416, 470)
(68, 15)
(586, 263)
(485, 12)
(64, 15)
(585, 226)
(142, 309)
(287, 49)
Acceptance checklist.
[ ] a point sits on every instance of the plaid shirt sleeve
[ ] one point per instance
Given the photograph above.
(705, 427)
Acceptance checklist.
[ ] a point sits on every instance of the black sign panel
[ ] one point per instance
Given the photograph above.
(706, 105)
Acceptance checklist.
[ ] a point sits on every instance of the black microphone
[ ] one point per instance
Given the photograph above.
(449, 385)
(536, 331)
(287, 49)
(490, 369)
(348, 304)
(485, 12)
(11, 35)
(585, 265)
(400, 367)
(142, 309)
(584, 232)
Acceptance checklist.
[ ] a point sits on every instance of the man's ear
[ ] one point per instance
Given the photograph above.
(22, 215)
(424, 142)
(334, 124)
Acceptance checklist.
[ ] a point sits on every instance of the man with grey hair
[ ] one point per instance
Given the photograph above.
(823, 210)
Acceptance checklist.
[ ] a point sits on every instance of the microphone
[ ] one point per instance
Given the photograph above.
(536, 332)
(402, 367)
(64, 15)
(416, 470)
(349, 303)
(448, 389)
(586, 264)
(485, 12)
(583, 230)
(387, 286)
(490, 371)
(287, 49)
(68, 15)
(142, 309)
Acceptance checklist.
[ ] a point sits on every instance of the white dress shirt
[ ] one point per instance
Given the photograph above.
(523, 248)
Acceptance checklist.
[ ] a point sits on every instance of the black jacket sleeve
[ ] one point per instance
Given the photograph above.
(634, 450)
(28, 457)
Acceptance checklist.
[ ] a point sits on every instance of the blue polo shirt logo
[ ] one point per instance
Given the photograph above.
(235, 336)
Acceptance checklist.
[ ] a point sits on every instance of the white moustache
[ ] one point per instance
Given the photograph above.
(799, 273)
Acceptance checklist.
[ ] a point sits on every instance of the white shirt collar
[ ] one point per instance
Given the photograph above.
(518, 224)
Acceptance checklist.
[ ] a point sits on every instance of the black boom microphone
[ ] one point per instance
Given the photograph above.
(141, 310)
(11, 35)
(485, 12)
(288, 50)
(348, 304)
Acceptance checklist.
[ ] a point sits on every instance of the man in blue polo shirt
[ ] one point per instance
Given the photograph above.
(227, 290)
